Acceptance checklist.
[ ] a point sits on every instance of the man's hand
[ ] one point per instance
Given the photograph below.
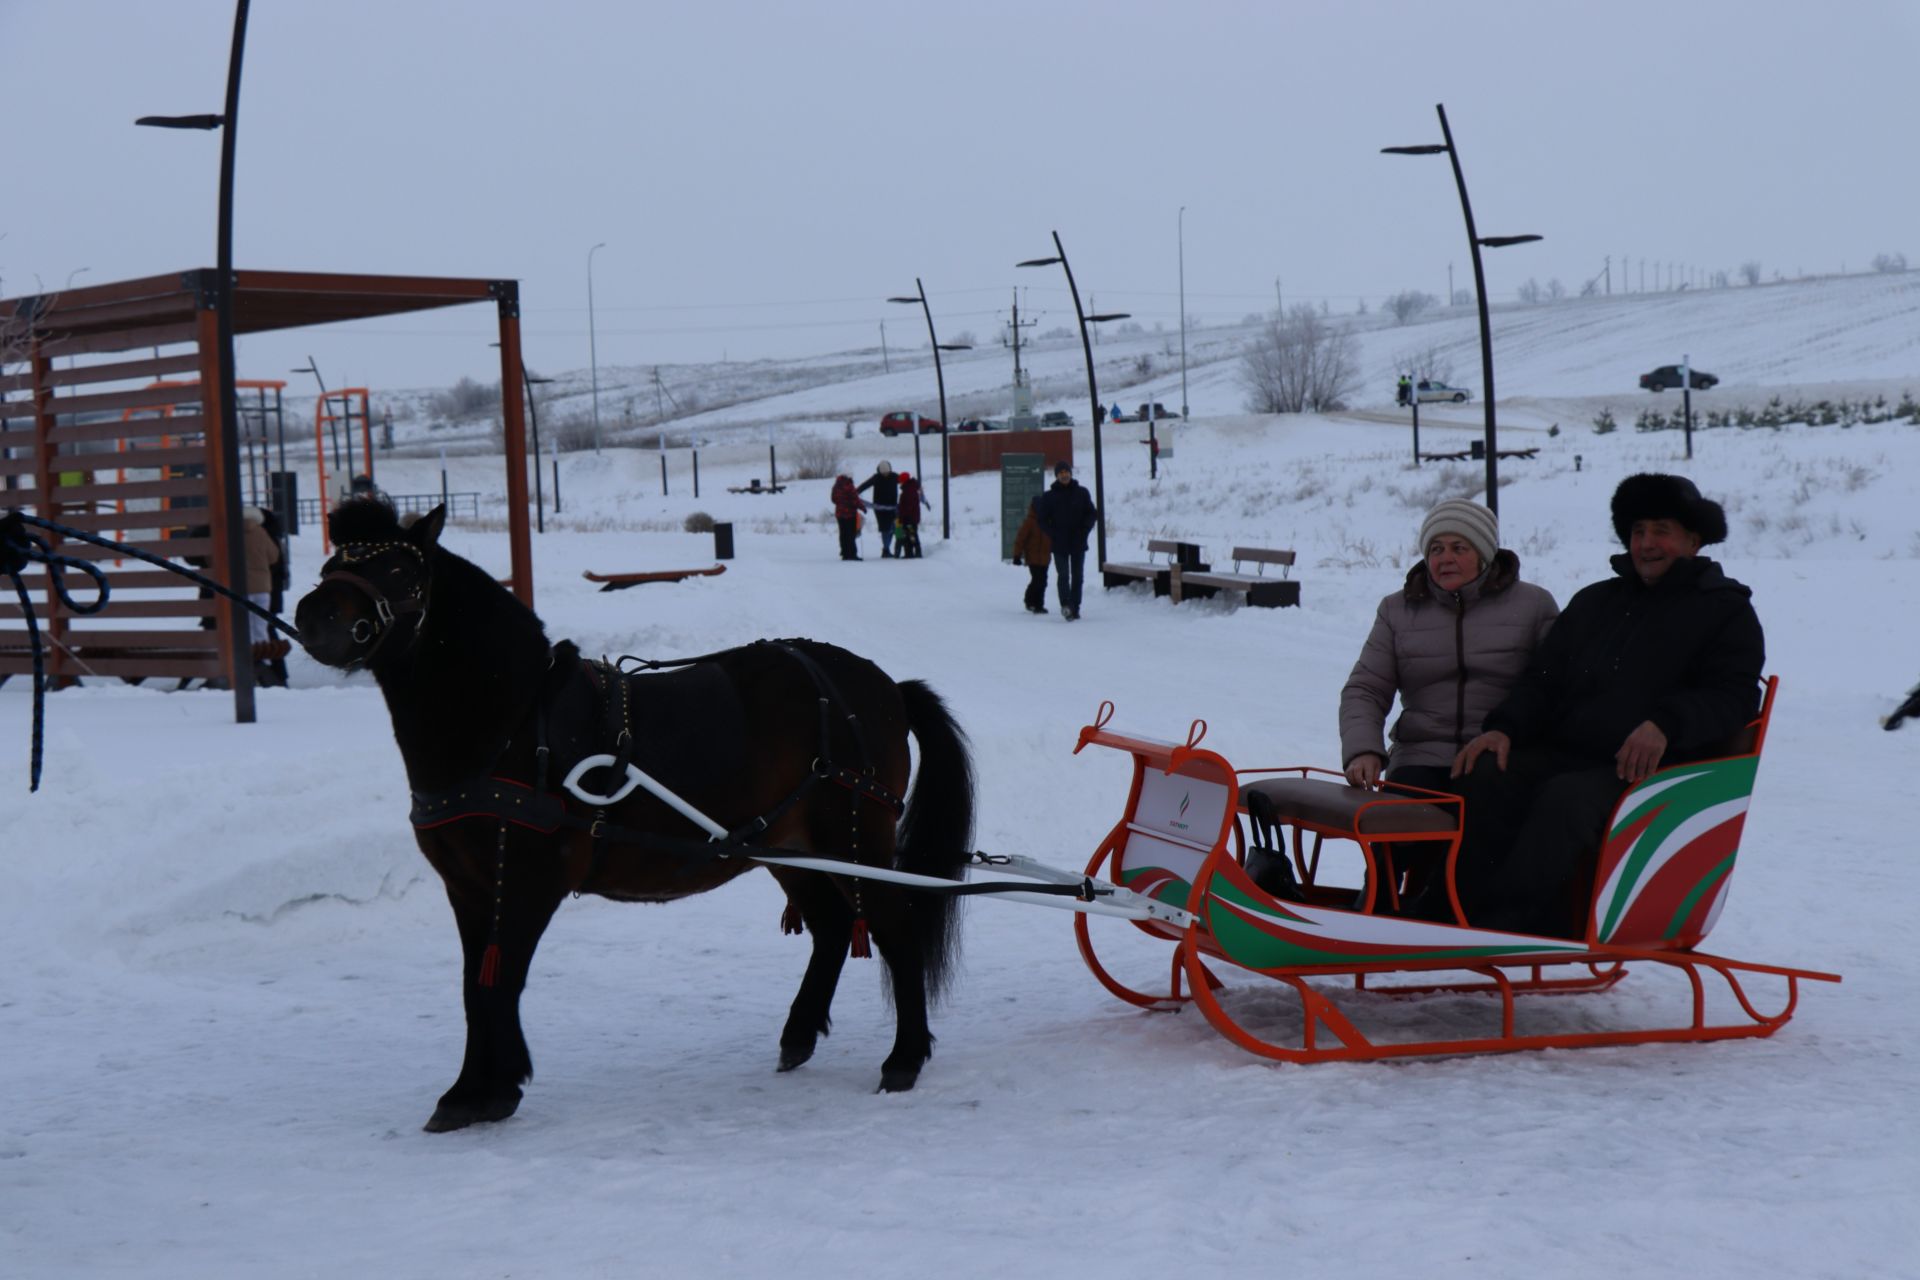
(1640, 754)
(1493, 740)
(1364, 770)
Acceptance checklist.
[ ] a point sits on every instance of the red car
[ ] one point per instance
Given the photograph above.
(900, 421)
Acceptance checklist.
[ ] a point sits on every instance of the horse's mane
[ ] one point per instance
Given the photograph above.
(366, 519)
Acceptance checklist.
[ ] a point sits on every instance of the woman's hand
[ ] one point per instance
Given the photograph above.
(1364, 770)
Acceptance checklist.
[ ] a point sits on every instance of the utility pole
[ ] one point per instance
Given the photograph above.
(1450, 284)
(1096, 329)
(1607, 269)
(885, 363)
(1280, 303)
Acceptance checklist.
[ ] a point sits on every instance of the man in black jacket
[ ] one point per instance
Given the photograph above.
(1658, 665)
(1067, 515)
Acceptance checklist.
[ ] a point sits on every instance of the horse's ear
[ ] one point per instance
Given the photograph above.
(425, 532)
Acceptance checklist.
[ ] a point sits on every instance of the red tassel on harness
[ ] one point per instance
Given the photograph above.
(490, 964)
(790, 921)
(860, 949)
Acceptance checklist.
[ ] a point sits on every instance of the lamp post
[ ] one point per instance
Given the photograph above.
(1182, 223)
(228, 122)
(1475, 241)
(1093, 389)
(940, 380)
(314, 369)
(593, 350)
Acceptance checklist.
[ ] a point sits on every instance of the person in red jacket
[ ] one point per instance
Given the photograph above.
(847, 506)
(909, 527)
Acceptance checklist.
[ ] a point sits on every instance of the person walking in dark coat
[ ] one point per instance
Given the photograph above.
(1658, 665)
(1034, 549)
(1066, 514)
(847, 506)
(886, 503)
(911, 499)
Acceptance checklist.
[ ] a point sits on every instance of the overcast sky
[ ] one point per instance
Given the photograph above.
(764, 174)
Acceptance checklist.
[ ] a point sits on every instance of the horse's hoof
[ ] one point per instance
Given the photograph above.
(793, 1057)
(898, 1079)
(449, 1116)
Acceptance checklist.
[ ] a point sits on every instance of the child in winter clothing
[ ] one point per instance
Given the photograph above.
(1034, 549)
(847, 506)
(909, 527)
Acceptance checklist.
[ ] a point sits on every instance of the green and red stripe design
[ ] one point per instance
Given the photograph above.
(1667, 859)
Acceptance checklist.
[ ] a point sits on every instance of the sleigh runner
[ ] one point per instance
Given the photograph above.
(1183, 837)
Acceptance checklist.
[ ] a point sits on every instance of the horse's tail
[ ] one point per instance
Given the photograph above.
(936, 832)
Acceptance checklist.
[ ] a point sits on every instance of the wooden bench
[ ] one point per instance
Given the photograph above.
(1260, 590)
(1463, 455)
(1160, 574)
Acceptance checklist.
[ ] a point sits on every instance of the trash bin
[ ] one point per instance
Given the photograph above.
(1477, 450)
(723, 541)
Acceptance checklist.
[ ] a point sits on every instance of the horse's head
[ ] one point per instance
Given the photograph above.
(373, 594)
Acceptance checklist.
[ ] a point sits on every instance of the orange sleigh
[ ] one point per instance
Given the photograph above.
(1183, 839)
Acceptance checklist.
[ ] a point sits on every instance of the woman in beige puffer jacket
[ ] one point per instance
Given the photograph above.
(1450, 643)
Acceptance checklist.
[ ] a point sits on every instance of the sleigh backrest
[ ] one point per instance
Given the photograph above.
(1180, 810)
(1670, 847)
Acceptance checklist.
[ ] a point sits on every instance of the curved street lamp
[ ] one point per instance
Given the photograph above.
(228, 122)
(1093, 390)
(593, 349)
(1474, 243)
(940, 379)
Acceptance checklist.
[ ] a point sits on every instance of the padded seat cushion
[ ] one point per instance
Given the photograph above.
(1334, 806)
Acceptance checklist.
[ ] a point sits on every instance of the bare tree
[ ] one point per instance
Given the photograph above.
(1555, 290)
(1889, 262)
(1530, 291)
(1750, 271)
(1430, 361)
(814, 458)
(1300, 365)
(1408, 303)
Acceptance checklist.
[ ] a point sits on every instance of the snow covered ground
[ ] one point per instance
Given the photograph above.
(230, 994)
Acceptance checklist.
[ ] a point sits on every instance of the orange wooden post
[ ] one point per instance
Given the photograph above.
(513, 409)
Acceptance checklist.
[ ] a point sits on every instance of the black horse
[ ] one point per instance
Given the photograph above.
(793, 745)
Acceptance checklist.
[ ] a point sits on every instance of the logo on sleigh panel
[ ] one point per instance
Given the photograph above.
(1185, 805)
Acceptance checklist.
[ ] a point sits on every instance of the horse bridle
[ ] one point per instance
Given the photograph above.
(374, 631)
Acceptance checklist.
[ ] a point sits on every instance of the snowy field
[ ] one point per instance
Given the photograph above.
(231, 988)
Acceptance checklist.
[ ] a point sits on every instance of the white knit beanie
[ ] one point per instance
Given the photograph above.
(1469, 520)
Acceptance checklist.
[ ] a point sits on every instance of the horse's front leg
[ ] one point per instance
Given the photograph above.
(494, 974)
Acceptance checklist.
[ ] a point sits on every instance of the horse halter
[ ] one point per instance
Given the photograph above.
(373, 632)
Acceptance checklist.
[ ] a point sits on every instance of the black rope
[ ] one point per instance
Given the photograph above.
(19, 548)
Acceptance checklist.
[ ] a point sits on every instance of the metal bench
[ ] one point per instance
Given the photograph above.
(1260, 590)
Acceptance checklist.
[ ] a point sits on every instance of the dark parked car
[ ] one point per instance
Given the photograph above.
(1154, 410)
(1668, 375)
(1058, 418)
(900, 421)
(979, 424)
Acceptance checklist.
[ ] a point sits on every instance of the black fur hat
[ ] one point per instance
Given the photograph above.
(1654, 496)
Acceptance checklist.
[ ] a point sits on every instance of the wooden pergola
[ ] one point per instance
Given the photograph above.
(98, 446)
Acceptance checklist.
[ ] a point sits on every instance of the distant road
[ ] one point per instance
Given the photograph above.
(1400, 418)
